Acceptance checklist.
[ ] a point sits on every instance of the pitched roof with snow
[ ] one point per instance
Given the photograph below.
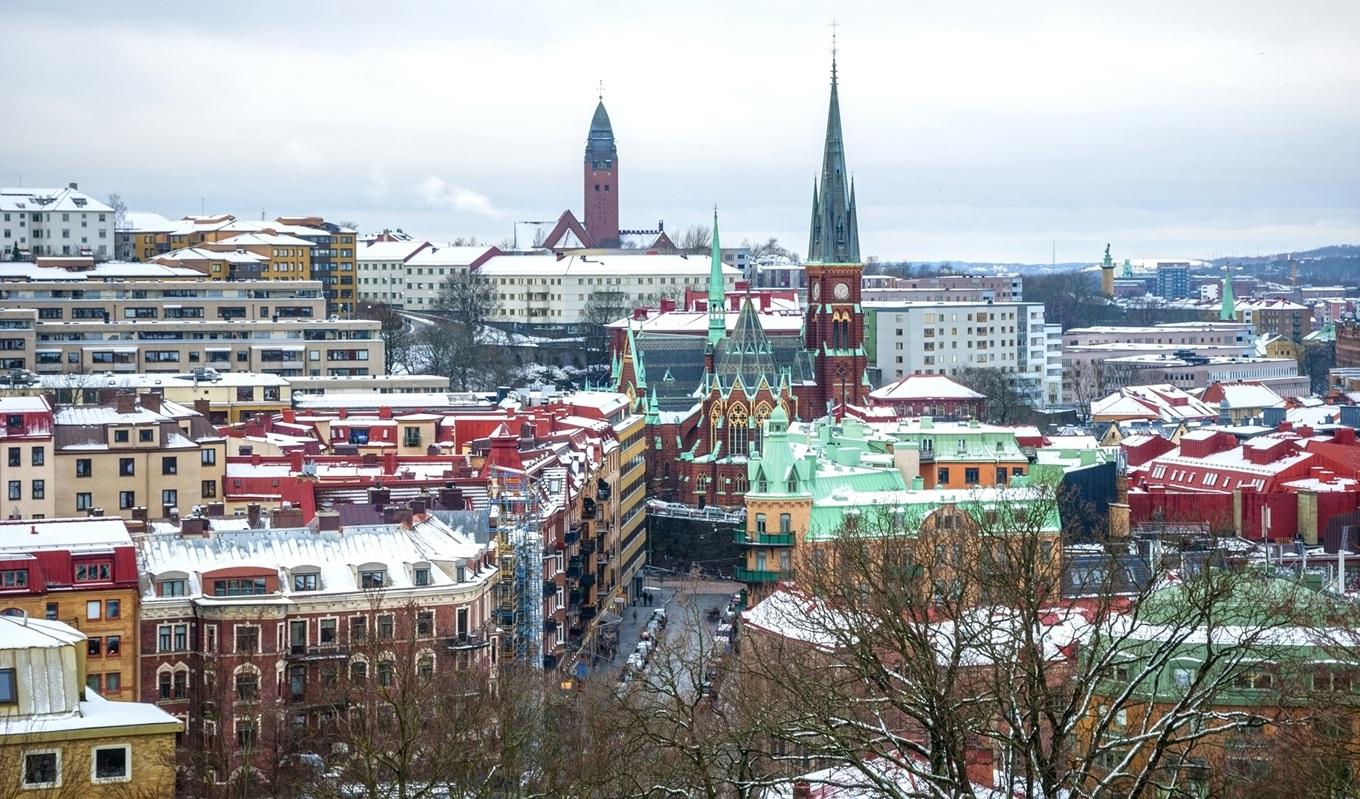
(924, 387)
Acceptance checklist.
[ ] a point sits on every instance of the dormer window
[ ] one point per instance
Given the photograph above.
(93, 572)
(306, 581)
(372, 578)
(420, 575)
(240, 586)
(178, 587)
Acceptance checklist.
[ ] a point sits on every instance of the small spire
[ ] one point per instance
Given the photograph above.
(601, 90)
(717, 294)
(834, 26)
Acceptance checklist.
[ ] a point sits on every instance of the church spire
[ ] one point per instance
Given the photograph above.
(717, 295)
(1228, 311)
(834, 238)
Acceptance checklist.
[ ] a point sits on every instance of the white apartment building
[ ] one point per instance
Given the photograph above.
(54, 222)
(1185, 334)
(1053, 364)
(947, 338)
(548, 291)
(380, 273)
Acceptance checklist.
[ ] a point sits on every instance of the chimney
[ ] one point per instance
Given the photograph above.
(328, 521)
(96, 513)
(170, 512)
(193, 527)
(286, 516)
(72, 185)
(203, 408)
(246, 450)
(342, 413)
(289, 415)
(295, 461)
(216, 509)
(418, 506)
(152, 402)
(385, 412)
(125, 402)
(253, 515)
(802, 789)
(107, 396)
(377, 495)
(139, 514)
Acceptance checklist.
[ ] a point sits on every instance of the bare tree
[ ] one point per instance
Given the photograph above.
(602, 308)
(115, 201)
(696, 238)
(1084, 383)
(1009, 397)
(462, 348)
(395, 333)
(771, 249)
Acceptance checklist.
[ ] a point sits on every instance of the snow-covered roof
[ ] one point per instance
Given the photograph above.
(147, 222)
(696, 322)
(1241, 395)
(793, 615)
(447, 255)
(337, 557)
(388, 251)
(42, 199)
(203, 254)
(23, 405)
(109, 270)
(266, 239)
(81, 533)
(20, 632)
(96, 714)
(921, 387)
(105, 414)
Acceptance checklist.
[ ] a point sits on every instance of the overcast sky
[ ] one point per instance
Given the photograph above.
(976, 130)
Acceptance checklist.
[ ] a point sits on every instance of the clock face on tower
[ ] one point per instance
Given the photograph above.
(842, 291)
(816, 291)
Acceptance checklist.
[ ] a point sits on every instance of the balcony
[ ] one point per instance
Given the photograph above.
(587, 546)
(573, 535)
(759, 576)
(763, 539)
(550, 626)
(549, 588)
(603, 490)
(314, 653)
(587, 580)
(472, 640)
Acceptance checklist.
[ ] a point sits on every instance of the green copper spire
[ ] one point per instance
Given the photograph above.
(834, 236)
(717, 312)
(1228, 311)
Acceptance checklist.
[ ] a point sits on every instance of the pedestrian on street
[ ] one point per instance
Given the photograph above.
(634, 614)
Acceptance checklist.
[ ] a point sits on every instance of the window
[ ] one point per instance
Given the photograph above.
(358, 628)
(240, 586)
(1181, 677)
(327, 630)
(373, 578)
(42, 769)
(120, 436)
(16, 489)
(113, 645)
(13, 578)
(127, 467)
(9, 689)
(170, 465)
(309, 581)
(39, 456)
(386, 627)
(247, 639)
(425, 623)
(92, 573)
(247, 686)
(94, 646)
(112, 764)
(127, 499)
(942, 475)
(148, 435)
(84, 500)
(52, 611)
(208, 488)
(245, 733)
(785, 523)
(971, 476)
(760, 522)
(208, 457)
(93, 609)
(385, 674)
(113, 682)
(16, 455)
(112, 609)
(169, 498)
(358, 671)
(421, 575)
(171, 588)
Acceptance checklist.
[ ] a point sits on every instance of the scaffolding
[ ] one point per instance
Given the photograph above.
(516, 504)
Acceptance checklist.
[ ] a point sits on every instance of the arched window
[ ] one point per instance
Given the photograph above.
(737, 431)
(758, 431)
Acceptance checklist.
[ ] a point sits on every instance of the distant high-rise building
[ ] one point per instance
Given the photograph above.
(1173, 280)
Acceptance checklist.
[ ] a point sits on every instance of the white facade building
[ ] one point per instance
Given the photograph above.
(380, 272)
(947, 338)
(545, 290)
(54, 222)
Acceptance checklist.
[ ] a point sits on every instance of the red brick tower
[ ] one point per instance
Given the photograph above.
(602, 181)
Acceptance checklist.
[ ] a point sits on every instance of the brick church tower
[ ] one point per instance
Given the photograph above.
(834, 325)
(602, 181)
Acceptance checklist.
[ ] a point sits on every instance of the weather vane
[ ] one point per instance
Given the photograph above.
(601, 87)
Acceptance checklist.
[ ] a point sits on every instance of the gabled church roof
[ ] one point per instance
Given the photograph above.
(745, 354)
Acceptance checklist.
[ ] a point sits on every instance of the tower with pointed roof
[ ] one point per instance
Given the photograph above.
(834, 324)
(1227, 311)
(602, 181)
(717, 294)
